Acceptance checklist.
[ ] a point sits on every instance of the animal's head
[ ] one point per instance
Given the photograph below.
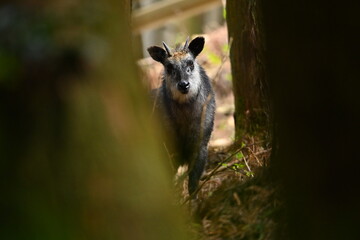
(182, 73)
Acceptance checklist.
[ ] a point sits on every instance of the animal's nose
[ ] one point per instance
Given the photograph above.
(184, 85)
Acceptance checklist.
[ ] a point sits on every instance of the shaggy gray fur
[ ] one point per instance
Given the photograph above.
(187, 103)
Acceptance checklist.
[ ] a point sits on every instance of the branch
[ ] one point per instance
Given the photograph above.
(220, 168)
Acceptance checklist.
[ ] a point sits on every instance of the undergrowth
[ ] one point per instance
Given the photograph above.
(236, 199)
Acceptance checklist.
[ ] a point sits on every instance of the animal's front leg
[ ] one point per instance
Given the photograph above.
(197, 169)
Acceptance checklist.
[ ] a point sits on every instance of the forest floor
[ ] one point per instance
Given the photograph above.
(234, 200)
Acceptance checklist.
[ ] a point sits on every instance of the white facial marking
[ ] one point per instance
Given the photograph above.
(195, 82)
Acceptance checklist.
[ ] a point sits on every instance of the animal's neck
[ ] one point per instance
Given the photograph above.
(180, 110)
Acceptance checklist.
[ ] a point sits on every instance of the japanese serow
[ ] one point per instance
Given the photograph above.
(187, 103)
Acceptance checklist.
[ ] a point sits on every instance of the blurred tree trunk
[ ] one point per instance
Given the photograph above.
(247, 65)
(80, 156)
(314, 75)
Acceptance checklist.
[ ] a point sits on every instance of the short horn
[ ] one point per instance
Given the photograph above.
(186, 43)
(167, 49)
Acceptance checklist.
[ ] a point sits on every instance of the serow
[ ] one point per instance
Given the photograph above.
(186, 102)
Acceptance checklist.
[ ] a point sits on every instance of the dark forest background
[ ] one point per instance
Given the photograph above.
(81, 156)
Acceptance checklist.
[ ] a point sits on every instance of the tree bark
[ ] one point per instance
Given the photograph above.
(248, 69)
(312, 59)
(80, 155)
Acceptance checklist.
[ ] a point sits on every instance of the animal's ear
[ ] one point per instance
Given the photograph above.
(196, 46)
(157, 53)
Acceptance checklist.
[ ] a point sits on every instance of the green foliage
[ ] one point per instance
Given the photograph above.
(249, 173)
(228, 77)
(238, 166)
(239, 155)
(214, 58)
(225, 48)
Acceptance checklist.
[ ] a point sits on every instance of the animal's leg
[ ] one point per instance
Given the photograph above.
(197, 169)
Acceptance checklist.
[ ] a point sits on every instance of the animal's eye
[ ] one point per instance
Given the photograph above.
(190, 64)
(169, 69)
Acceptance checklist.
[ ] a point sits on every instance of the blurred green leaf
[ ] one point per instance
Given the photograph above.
(241, 166)
(214, 59)
(225, 48)
(228, 77)
(239, 155)
(249, 173)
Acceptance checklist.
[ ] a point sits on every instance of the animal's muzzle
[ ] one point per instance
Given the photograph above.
(183, 87)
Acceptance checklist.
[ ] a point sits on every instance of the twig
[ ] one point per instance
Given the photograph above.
(246, 163)
(263, 151)
(253, 140)
(212, 174)
(170, 158)
(219, 168)
(257, 159)
(223, 60)
(237, 199)
(231, 164)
